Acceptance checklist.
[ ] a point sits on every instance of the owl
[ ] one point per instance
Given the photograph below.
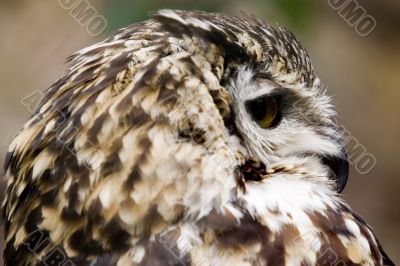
(187, 139)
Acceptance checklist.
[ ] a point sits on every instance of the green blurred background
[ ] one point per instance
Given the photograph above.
(362, 73)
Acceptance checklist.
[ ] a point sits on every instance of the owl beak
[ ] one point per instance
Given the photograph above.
(339, 167)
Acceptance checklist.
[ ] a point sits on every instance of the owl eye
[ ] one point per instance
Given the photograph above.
(264, 110)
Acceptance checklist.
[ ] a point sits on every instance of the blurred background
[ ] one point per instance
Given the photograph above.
(362, 74)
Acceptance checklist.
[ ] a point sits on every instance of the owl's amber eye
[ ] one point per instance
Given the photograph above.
(264, 110)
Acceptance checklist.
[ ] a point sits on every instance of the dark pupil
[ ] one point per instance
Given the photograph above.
(257, 107)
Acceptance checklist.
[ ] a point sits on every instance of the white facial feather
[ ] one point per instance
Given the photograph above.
(293, 136)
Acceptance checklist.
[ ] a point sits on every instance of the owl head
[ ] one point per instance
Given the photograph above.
(166, 121)
(271, 100)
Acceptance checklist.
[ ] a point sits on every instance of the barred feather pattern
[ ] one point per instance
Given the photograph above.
(133, 159)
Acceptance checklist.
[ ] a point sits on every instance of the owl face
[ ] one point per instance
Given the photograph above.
(280, 121)
(276, 104)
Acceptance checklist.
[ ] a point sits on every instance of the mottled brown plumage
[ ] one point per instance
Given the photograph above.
(143, 154)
